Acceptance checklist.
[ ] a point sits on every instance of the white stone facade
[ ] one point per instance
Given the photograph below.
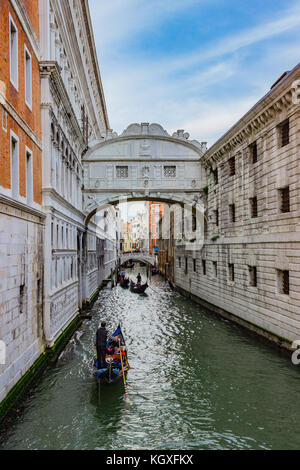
(250, 267)
(73, 115)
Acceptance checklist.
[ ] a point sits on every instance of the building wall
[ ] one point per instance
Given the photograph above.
(21, 217)
(270, 241)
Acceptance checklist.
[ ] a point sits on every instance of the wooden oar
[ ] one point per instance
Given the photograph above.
(124, 380)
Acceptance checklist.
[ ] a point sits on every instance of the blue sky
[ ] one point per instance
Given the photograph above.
(197, 65)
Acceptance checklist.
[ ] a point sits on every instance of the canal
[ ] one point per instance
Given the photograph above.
(196, 382)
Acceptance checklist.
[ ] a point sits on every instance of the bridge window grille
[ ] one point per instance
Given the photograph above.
(253, 276)
(285, 199)
(122, 172)
(285, 133)
(170, 171)
(231, 163)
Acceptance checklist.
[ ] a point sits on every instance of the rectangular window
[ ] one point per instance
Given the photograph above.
(179, 262)
(232, 212)
(14, 143)
(253, 207)
(285, 199)
(231, 163)
(13, 53)
(29, 177)
(122, 172)
(194, 265)
(215, 268)
(284, 282)
(217, 217)
(253, 276)
(231, 272)
(216, 176)
(28, 78)
(186, 266)
(170, 171)
(253, 152)
(22, 298)
(204, 267)
(285, 133)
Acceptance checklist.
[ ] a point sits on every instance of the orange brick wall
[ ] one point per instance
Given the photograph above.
(17, 100)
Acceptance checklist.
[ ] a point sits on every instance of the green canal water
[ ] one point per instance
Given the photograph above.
(196, 382)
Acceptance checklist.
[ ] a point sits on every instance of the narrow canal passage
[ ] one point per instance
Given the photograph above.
(197, 382)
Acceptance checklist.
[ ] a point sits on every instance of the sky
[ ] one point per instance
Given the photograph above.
(197, 65)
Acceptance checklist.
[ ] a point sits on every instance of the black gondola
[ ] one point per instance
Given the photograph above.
(111, 371)
(138, 289)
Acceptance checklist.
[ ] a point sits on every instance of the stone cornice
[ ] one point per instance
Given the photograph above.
(257, 118)
(51, 70)
(21, 206)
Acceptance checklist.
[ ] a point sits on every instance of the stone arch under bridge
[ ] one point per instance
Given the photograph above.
(143, 163)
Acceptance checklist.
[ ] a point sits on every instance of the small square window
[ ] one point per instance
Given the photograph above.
(170, 171)
(122, 172)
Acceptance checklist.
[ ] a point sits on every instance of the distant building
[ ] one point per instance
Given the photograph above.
(156, 212)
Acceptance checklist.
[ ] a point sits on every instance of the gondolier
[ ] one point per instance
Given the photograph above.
(101, 339)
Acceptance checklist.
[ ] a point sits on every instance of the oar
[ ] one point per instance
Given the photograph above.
(153, 289)
(124, 380)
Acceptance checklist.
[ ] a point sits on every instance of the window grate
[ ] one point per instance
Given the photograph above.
(122, 172)
(232, 212)
(254, 210)
(231, 272)
(217, 217)
(204, 267)
(285, 199)
(253, 276)
(170, 171)
(253, 149)
(231, 163)
(285, 133)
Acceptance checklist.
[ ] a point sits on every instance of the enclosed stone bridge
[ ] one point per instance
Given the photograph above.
(143, 257)
(143, 163)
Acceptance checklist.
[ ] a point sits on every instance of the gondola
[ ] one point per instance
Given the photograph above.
(111, 371)
(138, 289)
(124, 282)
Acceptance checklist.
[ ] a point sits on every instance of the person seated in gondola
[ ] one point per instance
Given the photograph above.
(132, 284)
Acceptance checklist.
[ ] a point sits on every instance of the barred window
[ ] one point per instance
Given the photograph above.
(253, 276)
(232, 212)
(204, 267)
(253, 151)
(215, 268)
(285, 199)
(217, 217)
(194, 265)
(284, 282)
(179, 262)
(216, 176)
(285, 133)
(170, 171)
(231, 163)
(186, 266)
(231, 272)
(253, 205)
(122, 172)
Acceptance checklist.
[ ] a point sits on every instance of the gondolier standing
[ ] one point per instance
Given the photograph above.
(101, 338)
